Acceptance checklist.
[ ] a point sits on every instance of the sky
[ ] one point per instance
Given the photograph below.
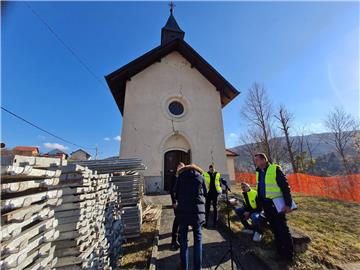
(305, 54)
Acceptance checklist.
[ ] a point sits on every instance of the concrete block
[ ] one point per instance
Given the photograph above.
(27, 200)
(11, 230)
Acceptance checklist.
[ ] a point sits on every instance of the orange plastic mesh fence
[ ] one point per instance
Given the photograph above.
(346, 188)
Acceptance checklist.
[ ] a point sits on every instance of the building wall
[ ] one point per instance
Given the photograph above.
(26, 152)
(79, 156)
(230, 161)
(148, 130)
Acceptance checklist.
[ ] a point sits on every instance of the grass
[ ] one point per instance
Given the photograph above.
(332, 225)
(137, 251)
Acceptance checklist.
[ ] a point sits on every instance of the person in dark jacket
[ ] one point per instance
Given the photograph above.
(251, 209)
(272, 183)
(213, 181)
(190, 211)
(175, 227)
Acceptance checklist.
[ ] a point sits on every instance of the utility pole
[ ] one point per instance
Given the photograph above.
(96, 152)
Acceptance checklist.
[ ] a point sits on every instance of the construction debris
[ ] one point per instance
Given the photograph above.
(151, 213)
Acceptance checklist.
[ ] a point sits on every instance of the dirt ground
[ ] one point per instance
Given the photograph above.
(137, 251)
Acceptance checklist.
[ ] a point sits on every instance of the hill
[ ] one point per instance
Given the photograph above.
(315, 146)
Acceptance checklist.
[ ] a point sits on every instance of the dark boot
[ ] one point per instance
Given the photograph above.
(174, 242)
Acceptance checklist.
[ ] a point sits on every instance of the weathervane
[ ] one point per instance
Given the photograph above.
(171, 5)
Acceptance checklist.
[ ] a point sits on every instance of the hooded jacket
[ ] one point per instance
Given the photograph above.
(190, 196)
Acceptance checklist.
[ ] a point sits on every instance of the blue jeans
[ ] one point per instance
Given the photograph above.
(255, 219)
(184, 252)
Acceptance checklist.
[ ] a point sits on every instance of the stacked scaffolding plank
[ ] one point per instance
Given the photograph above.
(113, 165)
(82, 243)
(29, 194)
(59, 216)
(128, 184)
(114, 228)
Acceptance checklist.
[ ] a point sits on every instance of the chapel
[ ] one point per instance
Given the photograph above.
(171, 101)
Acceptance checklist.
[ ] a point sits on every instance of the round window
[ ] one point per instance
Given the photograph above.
(176, 108)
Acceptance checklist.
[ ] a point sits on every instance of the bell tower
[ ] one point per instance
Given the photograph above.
(171, 30)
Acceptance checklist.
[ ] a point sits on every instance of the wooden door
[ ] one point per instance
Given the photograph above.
(171, 160)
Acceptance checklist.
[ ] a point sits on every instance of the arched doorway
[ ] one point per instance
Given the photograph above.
(171, 160)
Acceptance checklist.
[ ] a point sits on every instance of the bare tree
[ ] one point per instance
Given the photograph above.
(284, 117)
(300, 154)
(277, 146)
(356, 160)
(343, 126)
(303, 149)
(250, 141)
(258, 111)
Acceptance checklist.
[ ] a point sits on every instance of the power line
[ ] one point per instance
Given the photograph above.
(72, 52)
(43, 130)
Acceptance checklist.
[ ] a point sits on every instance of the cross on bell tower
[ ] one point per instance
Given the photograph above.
(171, 30)
(171, 5)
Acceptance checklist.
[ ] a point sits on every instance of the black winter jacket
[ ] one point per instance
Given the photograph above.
(190, 196)
(173, 189)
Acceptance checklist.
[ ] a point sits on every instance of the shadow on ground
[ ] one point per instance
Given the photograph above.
(213, 253)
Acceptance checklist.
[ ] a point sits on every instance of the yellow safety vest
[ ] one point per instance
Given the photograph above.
(252, 198)
(217, 181)
(272, 190)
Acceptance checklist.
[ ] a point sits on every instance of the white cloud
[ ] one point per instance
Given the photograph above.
(117, 138)
(55, 146)
(233, 135)
(106, 139)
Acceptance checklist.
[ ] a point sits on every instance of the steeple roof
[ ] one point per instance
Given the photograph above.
(171, 30)
(171, 24)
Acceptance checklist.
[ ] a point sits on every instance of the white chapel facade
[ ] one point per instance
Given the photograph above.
(171, 101)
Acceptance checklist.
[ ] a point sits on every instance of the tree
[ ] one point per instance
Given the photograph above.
(250, 140)
(343, 126)
(356, 160)
(284, 117)
(258, 111)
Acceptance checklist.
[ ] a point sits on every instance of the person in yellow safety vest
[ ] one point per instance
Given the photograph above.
(272, 183)
(213, 182)
(251, 209)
